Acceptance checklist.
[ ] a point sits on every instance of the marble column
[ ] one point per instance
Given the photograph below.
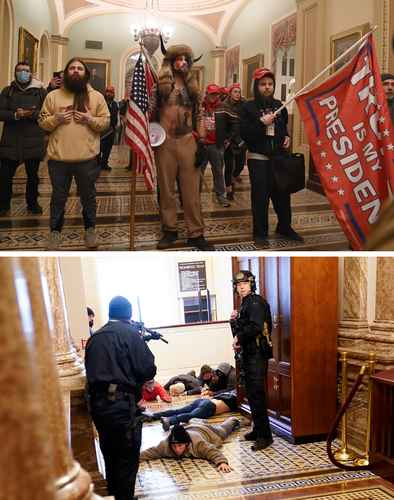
(383, 325)
(25, 454)
(366, 325)
(69, 364)
(36, 460)
(353, 325)
(219, 66)
(59, 51)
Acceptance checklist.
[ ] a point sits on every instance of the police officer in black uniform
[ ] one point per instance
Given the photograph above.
(251, 328)
(118, 362)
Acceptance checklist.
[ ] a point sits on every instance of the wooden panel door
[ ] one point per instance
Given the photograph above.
(271, 295)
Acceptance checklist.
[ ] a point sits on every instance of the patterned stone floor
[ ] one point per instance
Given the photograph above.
(228, 228)
(282, 471)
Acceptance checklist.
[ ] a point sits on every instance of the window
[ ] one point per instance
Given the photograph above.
(196, 308)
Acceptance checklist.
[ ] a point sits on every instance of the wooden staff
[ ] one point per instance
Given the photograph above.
(133, 193)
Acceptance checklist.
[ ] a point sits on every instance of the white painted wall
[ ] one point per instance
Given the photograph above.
(252, 27)
(94, 281)
(190, 347)
(33, 16)
(114, 31)
(344, 15)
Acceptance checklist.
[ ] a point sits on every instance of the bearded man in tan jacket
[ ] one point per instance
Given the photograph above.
(196, 440)
(74, 115)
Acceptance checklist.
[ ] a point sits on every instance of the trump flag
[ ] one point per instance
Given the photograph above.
(351, 139)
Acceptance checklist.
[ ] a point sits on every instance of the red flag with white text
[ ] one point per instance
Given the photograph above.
(351, 139)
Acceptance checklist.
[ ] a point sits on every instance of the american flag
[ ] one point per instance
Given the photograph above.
(137, 121)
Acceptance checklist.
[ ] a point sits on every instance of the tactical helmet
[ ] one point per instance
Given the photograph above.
(244, 277)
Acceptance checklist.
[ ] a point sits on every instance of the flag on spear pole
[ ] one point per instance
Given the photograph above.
(351, 139)
(137, 121)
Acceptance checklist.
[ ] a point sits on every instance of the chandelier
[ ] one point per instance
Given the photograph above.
(149, 33)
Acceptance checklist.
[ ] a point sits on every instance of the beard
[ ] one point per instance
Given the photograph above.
(75, 84)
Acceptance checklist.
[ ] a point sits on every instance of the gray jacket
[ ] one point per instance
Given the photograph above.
(204, 445)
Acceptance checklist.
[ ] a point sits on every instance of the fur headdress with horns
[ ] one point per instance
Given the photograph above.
(166, 73)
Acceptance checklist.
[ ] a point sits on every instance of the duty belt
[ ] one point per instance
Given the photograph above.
(111, 391)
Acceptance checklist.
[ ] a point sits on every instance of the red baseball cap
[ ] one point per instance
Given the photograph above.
(262, 73)
(234, 86)
(212, 88)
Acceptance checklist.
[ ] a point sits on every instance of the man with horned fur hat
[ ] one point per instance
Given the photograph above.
(177, 106)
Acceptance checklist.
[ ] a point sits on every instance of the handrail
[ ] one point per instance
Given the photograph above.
(332, 434)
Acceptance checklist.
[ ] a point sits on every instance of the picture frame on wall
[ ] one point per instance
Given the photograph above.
(100, 73)
(199, 74)
(340, 42)
(232, 65)
(28, 49)
(249, 66)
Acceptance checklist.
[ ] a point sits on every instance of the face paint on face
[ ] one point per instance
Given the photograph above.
(181, 64)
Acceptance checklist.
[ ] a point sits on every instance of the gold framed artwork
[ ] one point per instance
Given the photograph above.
(100, 73)
(232, 65)
(249, 66)
(28, 49)
(340, 42)
(199, 74)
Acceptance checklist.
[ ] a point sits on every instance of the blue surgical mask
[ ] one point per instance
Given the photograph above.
(23, 76)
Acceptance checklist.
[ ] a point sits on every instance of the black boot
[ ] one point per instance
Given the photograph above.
(250, 436)
(261, 444)
(201, 243)
(167, 241)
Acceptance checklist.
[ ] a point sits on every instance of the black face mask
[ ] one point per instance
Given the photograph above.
(91, 323)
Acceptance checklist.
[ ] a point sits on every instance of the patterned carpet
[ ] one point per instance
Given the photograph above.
(283, 467)
(229, 229)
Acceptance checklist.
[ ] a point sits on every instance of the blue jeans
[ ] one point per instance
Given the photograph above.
(216, 159)
(199, 408)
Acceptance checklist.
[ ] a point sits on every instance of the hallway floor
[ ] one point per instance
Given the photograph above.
(283, 471)
(228, 228)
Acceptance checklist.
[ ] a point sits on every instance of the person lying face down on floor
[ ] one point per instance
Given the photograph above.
(196, 440)
(204, 407)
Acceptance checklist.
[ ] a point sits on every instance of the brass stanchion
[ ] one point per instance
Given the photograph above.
(343, 454)
(371, 369)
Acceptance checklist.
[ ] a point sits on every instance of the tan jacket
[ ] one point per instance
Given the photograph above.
(73, 142)
(204, 445)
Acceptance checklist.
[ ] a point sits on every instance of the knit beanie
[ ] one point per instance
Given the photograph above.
(119, 308)
(179, 434)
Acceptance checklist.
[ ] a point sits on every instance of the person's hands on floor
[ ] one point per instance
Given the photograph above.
(223, 467)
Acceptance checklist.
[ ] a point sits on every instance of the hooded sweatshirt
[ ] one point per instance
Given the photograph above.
(73, 142)
(254, 132)
(209, 120)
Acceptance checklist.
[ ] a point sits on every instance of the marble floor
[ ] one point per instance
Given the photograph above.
(283, 471)
(227, 228)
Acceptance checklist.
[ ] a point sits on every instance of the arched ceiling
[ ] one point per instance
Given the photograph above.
(212, 17)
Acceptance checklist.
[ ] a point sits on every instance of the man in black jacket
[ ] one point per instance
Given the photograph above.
(266, 136)
(22, 141)
(108, 137)
(118, 362)
(251, 327)
(388, 86)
